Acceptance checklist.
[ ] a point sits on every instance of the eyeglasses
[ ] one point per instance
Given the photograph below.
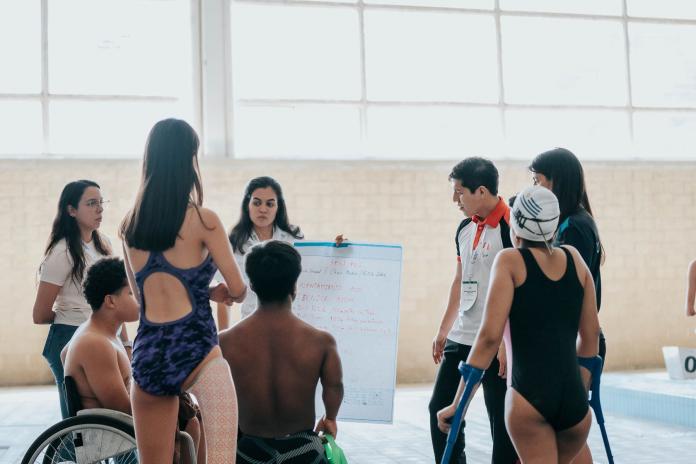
(94, 203)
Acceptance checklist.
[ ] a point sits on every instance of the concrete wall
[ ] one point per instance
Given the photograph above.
(644, 211)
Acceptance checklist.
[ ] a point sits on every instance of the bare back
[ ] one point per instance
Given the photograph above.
(200, 235)
(276, 362)
(101, 370)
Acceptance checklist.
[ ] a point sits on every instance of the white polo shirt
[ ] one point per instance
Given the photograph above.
(476, 266)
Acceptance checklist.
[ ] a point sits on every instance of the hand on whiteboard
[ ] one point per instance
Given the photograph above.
(444, 418)
(328, 426)
(439, 347)
(339, 240)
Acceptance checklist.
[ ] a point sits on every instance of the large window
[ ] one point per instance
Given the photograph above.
(351, 79)
(89, 77)
(609, 79)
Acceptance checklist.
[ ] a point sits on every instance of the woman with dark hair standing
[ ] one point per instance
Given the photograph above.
(263, 217)
(73, 246)
(560, 171)
(174, 247)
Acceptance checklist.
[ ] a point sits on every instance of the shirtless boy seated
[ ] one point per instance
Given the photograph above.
(95, 357)
(276, 361)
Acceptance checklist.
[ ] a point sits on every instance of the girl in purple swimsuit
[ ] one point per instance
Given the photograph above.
(174, 247)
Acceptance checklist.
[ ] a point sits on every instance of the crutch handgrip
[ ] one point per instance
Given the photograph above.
(472, 376)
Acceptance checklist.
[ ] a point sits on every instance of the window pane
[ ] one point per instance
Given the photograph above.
(663, 64)
(432, 132)
(469, 4)
(120, 47)
(587, 133)
(602, 7)
(306, 131)
(20, 46)
(679, 9)
(20, 127)
(295, 52)
(105, 128)
(661, 134)
(563, 61)
(430, 56)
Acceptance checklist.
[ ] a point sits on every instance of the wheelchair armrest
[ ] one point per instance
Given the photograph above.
(122, 416)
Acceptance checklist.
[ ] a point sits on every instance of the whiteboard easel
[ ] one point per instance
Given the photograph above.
(352, 291)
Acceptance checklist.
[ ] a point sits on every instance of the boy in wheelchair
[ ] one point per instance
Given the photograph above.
(96, 360)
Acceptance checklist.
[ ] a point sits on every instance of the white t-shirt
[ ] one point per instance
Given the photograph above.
(71, 307)
(250, 302)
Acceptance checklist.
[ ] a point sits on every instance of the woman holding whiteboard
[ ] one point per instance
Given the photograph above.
(263, 217)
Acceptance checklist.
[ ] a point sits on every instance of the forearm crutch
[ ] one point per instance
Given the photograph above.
(595, 365)
(472, 376)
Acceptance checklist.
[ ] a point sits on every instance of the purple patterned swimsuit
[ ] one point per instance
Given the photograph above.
(164, 354)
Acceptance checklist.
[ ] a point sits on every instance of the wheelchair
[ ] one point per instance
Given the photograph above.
(93, 436)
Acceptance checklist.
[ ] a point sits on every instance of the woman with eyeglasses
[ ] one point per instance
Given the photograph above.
(73, 246)
(560, 171)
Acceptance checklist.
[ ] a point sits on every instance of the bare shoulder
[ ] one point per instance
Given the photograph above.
(311, 333)
(579, 262)
(507, 258)
(201, 218)
(90, 346)
(692, 266)
(577, 257)
(507, 254)
(325, 338)
(93, 340)
(208, 214)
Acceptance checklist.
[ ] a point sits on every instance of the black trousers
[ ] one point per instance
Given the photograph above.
(494, 389)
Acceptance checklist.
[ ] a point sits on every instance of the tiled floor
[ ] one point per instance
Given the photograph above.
(25, 412)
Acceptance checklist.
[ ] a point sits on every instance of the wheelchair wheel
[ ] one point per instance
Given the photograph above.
(84, 439)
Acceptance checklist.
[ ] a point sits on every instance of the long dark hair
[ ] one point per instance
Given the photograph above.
(563, 168)
(241, 232)
(65, 227)
(170, 182)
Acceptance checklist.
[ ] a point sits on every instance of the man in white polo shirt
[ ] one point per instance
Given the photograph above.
(479, 237)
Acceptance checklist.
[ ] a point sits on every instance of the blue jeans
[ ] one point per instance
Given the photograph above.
(58, 336)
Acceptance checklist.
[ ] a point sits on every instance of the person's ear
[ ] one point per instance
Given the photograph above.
(293, 294)
(72, 211)
(109, 301)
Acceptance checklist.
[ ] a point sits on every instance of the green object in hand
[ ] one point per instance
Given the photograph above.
(334, 454)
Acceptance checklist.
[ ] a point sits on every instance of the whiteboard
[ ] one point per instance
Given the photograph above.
(352, 291)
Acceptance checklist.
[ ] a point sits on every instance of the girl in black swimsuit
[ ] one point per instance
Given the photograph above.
(541, 298)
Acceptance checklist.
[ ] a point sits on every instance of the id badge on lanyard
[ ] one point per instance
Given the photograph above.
(469, 290)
